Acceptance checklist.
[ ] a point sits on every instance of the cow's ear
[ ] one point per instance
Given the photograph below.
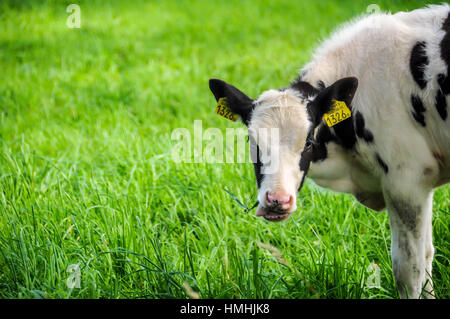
(341, 90)
(238, 102)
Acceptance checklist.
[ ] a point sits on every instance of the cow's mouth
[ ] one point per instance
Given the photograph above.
(273, 215)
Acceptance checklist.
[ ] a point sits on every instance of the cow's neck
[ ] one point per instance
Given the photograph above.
(330, 166)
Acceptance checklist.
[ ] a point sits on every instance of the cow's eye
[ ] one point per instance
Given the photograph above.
(308, 146)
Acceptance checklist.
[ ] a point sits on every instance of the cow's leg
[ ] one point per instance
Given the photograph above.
(429, 255)
(410, 212)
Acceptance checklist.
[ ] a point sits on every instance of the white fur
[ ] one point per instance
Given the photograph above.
(282, 107)
(376, 49)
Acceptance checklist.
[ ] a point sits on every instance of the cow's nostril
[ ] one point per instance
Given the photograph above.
(280, 200)
(291, 200)
(288, 205)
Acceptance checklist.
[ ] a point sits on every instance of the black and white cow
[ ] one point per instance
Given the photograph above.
(393, 72)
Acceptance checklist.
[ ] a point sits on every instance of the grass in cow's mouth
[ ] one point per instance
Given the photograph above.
(273, 215)
(246, 208)
(85, 172)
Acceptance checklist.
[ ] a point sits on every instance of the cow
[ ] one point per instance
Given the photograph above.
(388, 77)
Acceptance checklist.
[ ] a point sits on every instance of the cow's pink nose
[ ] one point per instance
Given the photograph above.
(279, 200)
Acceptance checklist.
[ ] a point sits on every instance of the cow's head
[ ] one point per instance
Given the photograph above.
(282, 126)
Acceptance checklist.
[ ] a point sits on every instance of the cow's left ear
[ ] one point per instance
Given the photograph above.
(341, 90)
(238, 102)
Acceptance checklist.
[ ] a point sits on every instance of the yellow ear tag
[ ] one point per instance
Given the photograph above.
(224, 110)
(338, 113)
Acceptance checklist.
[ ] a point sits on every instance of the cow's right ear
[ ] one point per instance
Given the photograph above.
(341, 90)
(238, 102)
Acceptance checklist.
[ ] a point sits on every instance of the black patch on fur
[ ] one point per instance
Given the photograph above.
(321, 85)
(238, 102)
(445, 43)
(441, 104)
(418, 109)
(257, 166)
(382, 163)
(323, 137)
(418, 62)
(344, 133)
(444, 83)
(403, 242)
(443, 80)
(374, 201)
(342, 90)
(319, 150)
(361, 131)
(304, 88)
(407, 212)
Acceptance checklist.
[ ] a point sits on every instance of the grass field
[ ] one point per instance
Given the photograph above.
(86, 175)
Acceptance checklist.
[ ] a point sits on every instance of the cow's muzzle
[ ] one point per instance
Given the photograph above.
(272, 215)
(277, 206)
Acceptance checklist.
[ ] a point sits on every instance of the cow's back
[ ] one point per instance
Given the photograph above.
(429, 64)
(402, 63)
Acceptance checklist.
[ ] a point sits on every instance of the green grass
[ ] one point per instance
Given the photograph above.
(86, 175)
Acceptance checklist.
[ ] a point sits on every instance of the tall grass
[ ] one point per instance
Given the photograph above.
(86, 175)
